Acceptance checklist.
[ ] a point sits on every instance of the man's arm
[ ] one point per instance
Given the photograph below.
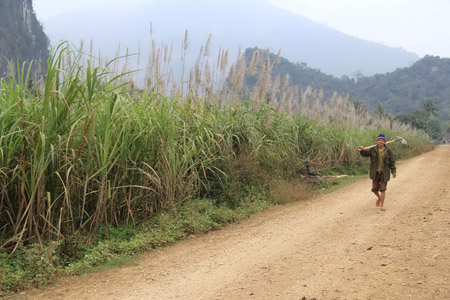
(392, 165)
(364, 152)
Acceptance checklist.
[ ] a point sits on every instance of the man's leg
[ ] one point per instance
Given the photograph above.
(383, 186)
(375, 189)
(379, 198)
(382, 196)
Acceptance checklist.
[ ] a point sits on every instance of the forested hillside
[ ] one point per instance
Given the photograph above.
(404, 90)
(399, 92)
(21, 36)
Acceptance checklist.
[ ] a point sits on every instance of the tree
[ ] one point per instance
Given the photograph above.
(446, 130)
(418, 119)
(359, 106)
(381, 111)
(434, 129)
(425, 119)
(430, 107)
(446, 127)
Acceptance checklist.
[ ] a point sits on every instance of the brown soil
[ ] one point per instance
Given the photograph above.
(334, 246)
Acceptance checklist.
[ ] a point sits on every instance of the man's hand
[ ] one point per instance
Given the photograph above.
(361, 148)
(394, 175)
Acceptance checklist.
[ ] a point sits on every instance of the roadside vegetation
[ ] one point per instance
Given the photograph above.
(93, 168)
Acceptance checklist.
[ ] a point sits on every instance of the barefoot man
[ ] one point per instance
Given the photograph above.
(382, 164)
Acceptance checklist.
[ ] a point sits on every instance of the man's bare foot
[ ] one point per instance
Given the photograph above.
(382, 208)
(378, 202)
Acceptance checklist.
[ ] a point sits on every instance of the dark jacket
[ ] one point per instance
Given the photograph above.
(388, 166)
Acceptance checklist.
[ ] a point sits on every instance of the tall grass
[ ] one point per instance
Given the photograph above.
(85, 148)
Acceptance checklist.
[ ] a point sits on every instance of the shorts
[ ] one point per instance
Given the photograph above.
(379, 184)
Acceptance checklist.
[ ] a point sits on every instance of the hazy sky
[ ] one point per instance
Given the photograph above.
(420, 26)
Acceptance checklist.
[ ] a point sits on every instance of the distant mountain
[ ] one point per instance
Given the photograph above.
(403, 90)
(302, 76)
(400, 92)
(232, 23)
(21, 36)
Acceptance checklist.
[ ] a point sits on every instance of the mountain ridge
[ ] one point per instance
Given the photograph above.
(233, 24)
(399, 92)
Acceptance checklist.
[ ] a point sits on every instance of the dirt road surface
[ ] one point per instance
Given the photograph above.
(334, 246)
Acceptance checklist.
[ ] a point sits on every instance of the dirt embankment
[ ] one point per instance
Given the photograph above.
(335, 246)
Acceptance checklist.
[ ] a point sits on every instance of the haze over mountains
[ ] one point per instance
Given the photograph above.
(400, 92)
(233, 24)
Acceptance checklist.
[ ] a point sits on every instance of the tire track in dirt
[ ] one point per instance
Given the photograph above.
(334, 246)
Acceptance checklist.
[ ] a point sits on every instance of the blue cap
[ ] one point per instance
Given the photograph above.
(381, 136)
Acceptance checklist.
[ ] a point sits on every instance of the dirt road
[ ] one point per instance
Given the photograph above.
(335, 246)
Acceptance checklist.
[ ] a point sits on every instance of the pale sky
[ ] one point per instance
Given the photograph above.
(420, 26)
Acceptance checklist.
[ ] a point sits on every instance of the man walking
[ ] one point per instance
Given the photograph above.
(382, 164)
